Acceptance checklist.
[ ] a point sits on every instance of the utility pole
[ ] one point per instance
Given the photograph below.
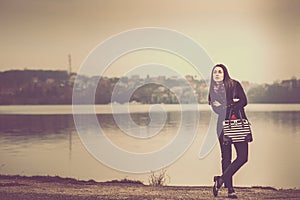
(70, 64)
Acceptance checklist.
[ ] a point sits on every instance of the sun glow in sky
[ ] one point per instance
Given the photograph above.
(259, 41)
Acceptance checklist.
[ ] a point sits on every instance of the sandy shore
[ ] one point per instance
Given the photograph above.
(45, 187)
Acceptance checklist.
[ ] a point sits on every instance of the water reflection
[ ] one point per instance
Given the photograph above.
(35, 125)
(49, 145)
(283, 122)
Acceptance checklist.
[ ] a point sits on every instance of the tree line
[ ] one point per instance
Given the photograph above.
(19, 87)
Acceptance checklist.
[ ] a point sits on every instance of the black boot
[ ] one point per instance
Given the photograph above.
(217, 185)
(231, 193)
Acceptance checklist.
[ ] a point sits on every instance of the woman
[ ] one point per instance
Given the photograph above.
(227, 97)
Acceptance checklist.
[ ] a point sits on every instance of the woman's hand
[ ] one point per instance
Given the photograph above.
(216, 103)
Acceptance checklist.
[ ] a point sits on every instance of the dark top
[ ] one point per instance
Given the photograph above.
(227, 104)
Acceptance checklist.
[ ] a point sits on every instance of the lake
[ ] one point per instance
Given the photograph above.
(43, 140)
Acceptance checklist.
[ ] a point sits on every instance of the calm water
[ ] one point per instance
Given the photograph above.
(36, 141)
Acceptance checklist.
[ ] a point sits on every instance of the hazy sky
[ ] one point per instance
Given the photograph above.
(259, 41)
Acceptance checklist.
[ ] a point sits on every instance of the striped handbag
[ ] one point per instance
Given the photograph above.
(237, 130)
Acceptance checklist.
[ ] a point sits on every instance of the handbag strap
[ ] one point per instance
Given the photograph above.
(240, 115)
(229, 117)
(241, 118)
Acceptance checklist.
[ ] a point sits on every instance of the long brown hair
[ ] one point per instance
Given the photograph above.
(228, 83)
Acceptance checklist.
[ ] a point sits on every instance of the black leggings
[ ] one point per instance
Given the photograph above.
(230, 168)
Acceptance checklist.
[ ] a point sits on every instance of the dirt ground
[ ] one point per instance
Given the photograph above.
(46, 187)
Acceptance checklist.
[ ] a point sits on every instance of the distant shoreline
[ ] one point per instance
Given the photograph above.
(133, 108)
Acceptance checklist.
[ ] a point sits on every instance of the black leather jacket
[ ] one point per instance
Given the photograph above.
(228, 105)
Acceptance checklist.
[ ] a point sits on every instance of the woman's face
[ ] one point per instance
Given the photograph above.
(218, 74)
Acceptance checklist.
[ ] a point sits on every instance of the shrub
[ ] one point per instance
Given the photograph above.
(158, 179)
